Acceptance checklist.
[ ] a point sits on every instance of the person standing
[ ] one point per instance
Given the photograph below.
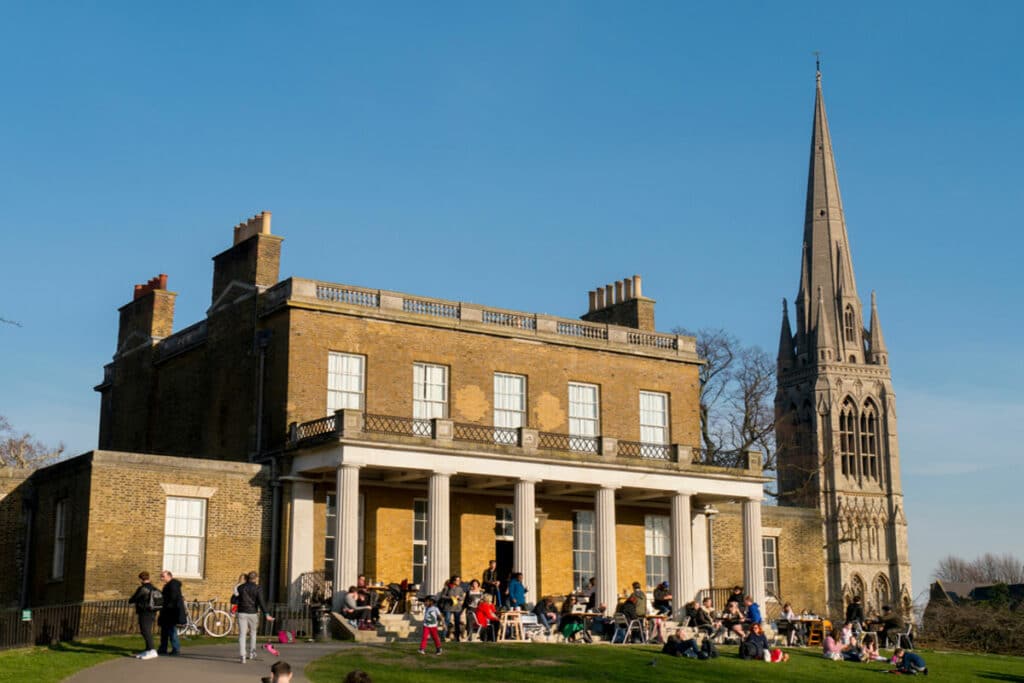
(146, 606)
(171, 614)
(517, 592)
(250, 603)
(432, 621)
(491, 583)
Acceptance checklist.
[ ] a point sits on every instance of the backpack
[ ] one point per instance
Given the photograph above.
(156, 600)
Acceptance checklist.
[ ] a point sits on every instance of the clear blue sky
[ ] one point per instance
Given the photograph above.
(519, 156)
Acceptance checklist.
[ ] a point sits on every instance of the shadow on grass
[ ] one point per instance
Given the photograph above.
(996, 676)
(76, 647)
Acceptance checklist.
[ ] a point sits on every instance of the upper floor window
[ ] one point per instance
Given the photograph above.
(185, 536)
(869, 440)
(850, 324)
(345, 381)
(653, 417)
(584, 410)
(429, 391)
(847, 438)
(60, 533)
(509, 400)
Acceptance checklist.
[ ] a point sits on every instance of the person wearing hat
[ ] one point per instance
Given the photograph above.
(663, 599)
(641, 599)
(432, 621)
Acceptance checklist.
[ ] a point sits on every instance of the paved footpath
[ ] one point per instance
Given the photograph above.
(202, 663)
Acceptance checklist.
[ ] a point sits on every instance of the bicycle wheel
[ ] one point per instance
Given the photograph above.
(218, 623)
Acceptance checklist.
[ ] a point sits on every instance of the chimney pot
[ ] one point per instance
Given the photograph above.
(618, 292)
(592, 295)
(638, 290)
(609, 295)
(600, 297)
(627, 289)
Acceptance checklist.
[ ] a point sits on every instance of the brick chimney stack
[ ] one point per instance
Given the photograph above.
(149, 316)
(621, 303)
(253, 261)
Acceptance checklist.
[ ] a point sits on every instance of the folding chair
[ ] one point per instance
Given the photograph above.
(531, 626)
(626, 627)
(906, 639)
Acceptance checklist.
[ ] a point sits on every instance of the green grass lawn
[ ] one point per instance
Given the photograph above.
(56, 662)
(527, 662)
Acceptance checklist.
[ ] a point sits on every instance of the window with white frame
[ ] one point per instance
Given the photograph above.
(509, 400)
(770, 545)
(60, 532)
(657, 548)
(419, 539)
(331, 507)
(653, 417)
(346, 375)
(504, 526)
(582, 548)
(584, 413)
(429, 391)
(185, 536)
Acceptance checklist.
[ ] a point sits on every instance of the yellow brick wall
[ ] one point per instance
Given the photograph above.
(392, 347)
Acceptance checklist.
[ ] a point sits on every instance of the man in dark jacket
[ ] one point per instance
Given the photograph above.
(855, 613)
(146, 613)
(171, 614)
(250, 602)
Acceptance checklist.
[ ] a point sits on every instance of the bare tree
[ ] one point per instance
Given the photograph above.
(23, 450)
(984, 569)
(737, 393)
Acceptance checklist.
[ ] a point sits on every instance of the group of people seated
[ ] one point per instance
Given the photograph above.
(736, 620)
(360, 605)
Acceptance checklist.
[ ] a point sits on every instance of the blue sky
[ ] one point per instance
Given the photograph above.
(519, 156)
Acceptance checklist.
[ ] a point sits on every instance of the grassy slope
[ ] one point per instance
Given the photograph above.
(525, 663)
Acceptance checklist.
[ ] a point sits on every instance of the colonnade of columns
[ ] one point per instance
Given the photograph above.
(438, 568)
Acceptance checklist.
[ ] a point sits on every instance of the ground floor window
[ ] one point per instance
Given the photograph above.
(582, 548)
(658, 548)
(185, 536)
(419, 540)
(770, 545)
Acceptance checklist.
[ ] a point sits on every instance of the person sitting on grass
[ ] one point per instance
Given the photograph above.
(831, 648)
(432, 621)
(678, 645)
(909, 662)
(869, 649)
(755, 645)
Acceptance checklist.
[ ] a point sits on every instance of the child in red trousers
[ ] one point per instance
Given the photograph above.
(432, 621)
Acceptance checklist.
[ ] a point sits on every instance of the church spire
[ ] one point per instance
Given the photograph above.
(786, 356)
(826, 266)
(879, 354)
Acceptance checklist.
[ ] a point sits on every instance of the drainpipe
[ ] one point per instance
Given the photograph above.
(28, 506)
(262, 342)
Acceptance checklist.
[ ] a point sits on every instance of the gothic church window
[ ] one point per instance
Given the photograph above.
(847, 438)
(880, 592)
(850, 324)
(869, 440)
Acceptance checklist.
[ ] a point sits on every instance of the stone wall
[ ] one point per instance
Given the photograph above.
(12, 533)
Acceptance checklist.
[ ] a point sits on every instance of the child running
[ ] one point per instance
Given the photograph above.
(432, 621)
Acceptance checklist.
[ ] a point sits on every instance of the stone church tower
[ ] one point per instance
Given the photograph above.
(835, 406)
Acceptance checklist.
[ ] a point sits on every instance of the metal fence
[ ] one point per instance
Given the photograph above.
(57, 623)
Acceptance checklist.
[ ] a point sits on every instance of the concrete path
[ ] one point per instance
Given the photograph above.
(203, 663)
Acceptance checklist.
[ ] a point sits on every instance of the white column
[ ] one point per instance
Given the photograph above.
(438, 533)
(604, 537)
(753, 552)
(681, 569)
(300, 539)
(701, 564)
(524, 545)
(346, 537)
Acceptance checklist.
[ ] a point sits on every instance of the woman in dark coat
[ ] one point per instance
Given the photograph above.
(172, 613)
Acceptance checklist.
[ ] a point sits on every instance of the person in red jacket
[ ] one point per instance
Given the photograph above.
(487, 617)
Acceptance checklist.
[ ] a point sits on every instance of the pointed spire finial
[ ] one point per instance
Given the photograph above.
(817, 64)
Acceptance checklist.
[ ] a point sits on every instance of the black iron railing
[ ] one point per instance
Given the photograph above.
(639, 449)
(485, 434)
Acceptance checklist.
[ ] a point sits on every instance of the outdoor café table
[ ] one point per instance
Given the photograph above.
(509, 620)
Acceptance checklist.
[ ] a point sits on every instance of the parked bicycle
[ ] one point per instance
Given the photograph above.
(204, 617)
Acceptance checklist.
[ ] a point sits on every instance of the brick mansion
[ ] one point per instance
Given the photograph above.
(308, 428)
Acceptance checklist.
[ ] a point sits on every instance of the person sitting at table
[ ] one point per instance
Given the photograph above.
(572, 624)
(591, 592)
(641, 599)
(491, 584)
(627, 608)
(655, 628)
(755, 644)
(869, 649)
(830, 648)
(753, 610)
(733, 619)
(909, 662)
(855, 613)
(662, 598)
(487, 617)
(705, 620)
(547, 614)
(517, 592)
(892, 626)
(788, 626)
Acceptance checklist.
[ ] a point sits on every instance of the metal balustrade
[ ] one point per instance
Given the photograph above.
(638, 449)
